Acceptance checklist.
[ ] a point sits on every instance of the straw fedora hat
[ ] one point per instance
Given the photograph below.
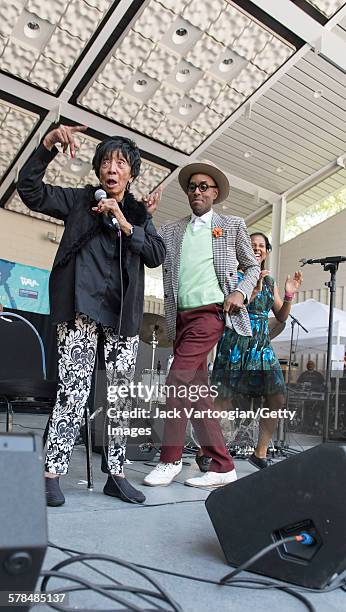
(206, 167)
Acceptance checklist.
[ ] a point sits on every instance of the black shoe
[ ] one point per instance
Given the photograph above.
(257, 462)
(203, 462)
(123, 489)
(54, 494)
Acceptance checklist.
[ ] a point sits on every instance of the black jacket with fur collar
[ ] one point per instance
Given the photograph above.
(73, 206)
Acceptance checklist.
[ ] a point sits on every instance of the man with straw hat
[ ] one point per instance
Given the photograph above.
(200, 281)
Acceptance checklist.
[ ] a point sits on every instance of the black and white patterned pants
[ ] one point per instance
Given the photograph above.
(77, 345)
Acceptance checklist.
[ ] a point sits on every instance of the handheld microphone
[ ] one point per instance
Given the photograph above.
(100, 194)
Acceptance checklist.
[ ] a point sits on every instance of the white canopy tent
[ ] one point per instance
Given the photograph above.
(314, 316)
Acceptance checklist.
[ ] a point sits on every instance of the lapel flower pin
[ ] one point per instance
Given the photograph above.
(217, 232)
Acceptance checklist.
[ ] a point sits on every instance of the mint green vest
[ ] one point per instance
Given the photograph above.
(198, 283)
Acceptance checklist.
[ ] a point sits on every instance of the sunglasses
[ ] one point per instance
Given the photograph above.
(203, 186)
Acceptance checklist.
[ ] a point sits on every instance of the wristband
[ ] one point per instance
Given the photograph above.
(288, 297)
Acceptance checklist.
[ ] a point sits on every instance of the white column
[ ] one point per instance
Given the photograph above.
(278, 234)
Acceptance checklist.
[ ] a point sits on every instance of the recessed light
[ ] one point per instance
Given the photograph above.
(185, 108)
(247, 154)
(183, 75)
(279, 169)
(181, 36)
(181, 32)
(318, 93)
(226, 64)
(32, 29)
(140, 85)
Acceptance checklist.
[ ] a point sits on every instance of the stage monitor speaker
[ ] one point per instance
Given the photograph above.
(304, 493)
(23, 514)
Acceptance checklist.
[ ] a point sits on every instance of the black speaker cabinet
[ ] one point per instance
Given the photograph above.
(23, 514)
(304, 493)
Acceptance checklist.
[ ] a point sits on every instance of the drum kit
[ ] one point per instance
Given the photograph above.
(154, 332)
(241, 434)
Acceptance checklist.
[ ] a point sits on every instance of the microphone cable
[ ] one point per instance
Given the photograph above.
(104, 433)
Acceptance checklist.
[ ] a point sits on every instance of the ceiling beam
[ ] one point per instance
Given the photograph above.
(327, 44)
(314, 179)
(251, 188)
(24, 91)
(259, 214)
(30, 147)
(297, 190)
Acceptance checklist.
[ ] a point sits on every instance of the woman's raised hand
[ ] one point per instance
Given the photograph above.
(152, 200)
(292, 285)
(65, 135)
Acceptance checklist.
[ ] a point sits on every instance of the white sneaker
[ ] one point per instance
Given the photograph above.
(163, 474)
(212, 479)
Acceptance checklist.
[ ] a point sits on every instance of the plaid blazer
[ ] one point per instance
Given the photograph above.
(233, 247)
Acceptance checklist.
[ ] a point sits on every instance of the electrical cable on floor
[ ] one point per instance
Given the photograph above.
(173, 503)
(160, 593)
(33, 429)
(264, 584)
(264, 551)
(247, 582)
(97, 571)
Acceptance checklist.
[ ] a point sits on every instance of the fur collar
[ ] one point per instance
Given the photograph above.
(81, 227)
(134, 210)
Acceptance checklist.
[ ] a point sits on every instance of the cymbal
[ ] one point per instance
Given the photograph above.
(154, 322)
(275, 327)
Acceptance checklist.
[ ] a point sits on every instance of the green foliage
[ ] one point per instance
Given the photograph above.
(315, 214)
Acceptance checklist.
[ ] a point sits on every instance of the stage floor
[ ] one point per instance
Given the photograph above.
(177, 537)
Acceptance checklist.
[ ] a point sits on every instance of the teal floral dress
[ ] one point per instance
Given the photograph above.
(247, 365)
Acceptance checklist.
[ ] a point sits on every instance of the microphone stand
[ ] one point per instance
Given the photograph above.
(154, 342)
(331, 265)
(282, 449)
(331, 284)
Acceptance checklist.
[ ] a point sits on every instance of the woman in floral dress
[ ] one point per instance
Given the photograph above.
(247, 365)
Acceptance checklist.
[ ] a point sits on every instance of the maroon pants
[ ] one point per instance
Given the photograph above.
(198, 330)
